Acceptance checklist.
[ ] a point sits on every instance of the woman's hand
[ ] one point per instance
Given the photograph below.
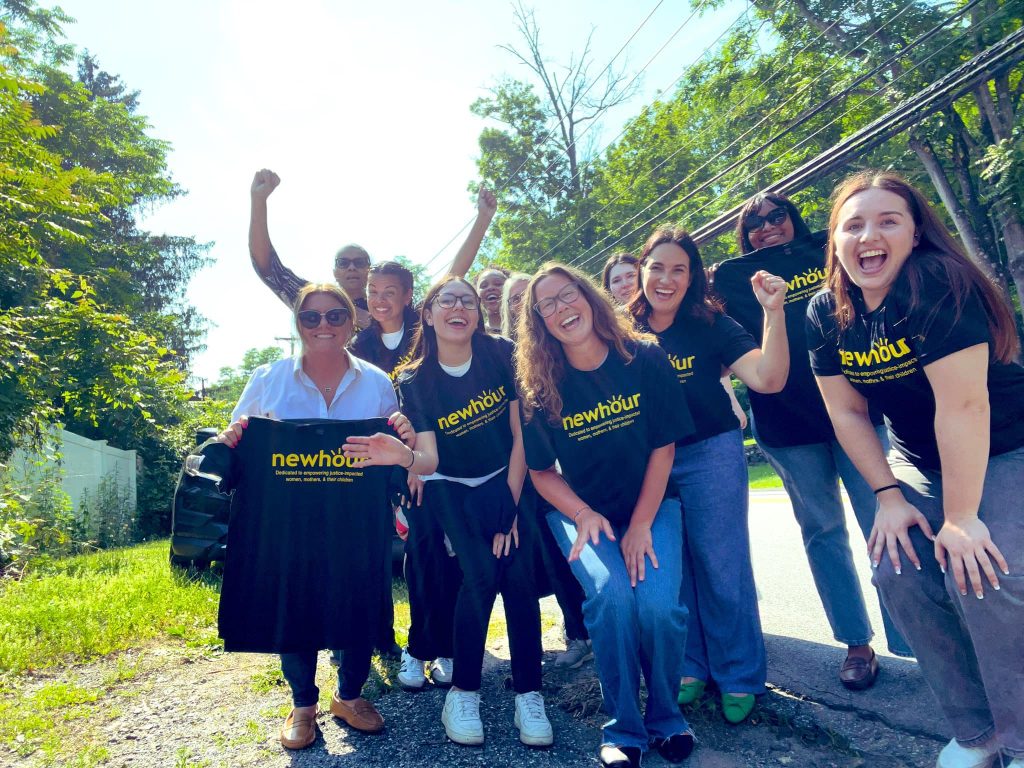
(233, 433)
(636, 545)
(770, 290)
(503, 542)
(399, 422)
(415, 489)
(589, 525)
(378, 450)
(893, 521)
(969, 545)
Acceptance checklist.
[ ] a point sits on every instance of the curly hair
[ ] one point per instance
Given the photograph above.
(540, 358)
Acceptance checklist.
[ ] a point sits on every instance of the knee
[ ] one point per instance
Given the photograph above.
(654, 610)
(611, 605)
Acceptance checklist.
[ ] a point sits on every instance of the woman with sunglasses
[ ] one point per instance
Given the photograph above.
(620, 277)
(724, 641)
(324, 381)
(459, 393)
(794, 433)
(911, 325)
(603, 414)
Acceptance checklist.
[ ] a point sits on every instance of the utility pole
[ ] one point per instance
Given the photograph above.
(291, 343)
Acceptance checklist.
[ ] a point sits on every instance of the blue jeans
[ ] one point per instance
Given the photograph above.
(634, 630)
(299, 670)
(810, 474)
(969, 651)
(724, 640)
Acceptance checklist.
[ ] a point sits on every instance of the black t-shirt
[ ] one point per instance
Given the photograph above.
(611, 420)
(469, 414)
(796, 415)
(369, 346)
(698, 352)
(309, 537)
(883, 354)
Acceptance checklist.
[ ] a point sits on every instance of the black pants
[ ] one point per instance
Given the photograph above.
(434, 579)
(470, 517)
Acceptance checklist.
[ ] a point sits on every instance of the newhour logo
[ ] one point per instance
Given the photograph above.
(882, 351)
(486, 401)
(613, 407)
(321, 460)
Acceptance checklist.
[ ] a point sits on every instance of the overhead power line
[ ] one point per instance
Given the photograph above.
(583, 261)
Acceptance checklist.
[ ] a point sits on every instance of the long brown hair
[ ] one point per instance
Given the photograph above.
(424, 341)
(614, 260)
(936, 258)
(540, 359)
(697, 302)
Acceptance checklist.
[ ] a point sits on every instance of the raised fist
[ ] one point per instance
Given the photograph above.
(486, 202)
(263, 183)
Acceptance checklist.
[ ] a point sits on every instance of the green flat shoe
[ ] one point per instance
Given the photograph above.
(737, 708)
(690, 692)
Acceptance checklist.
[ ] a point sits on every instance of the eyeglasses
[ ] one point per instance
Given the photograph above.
(310, 318)
(516, 298)
(359, 262)
(774, 217)
(547, 307)
(447, 300)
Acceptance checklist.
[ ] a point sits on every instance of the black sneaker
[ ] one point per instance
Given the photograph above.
(612, 756)
(675, 748)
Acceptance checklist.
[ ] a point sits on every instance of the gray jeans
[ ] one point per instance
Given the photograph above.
(970, 651)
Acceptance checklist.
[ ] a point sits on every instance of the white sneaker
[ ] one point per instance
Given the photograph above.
(534, 727)
(441, 670)
(1017, 762)
(410, 673)
(955, 756)
(575, 655)
(461, 717)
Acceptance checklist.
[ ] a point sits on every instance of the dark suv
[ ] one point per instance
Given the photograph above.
(200, 513)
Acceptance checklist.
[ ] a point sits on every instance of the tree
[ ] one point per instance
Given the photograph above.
(231, 381)
(536, 161)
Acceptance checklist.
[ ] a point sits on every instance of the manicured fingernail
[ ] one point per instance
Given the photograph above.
(995, 587)
(1007, 572)
(899, 572)
(918, 566)
(943, 569)
(963, 592)
(874, 564)
(980, 596)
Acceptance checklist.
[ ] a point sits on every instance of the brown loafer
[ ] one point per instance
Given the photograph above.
(361, 715)
(303, 726)
(859, 674)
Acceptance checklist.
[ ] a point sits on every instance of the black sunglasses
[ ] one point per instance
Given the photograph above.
(359, 262)
(310, 318)
(774, 217)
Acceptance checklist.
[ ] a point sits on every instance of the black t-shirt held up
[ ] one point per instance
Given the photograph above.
(309, 540)
(883, 355)
(796, 415)
(469, 414)
(611, 420)
(697, 352)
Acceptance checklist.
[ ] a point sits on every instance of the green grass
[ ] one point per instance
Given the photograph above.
(763, 476)
(84, 607)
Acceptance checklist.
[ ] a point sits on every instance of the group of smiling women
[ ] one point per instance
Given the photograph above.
(597, 422)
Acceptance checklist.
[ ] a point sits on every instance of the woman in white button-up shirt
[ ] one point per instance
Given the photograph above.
(324, 381)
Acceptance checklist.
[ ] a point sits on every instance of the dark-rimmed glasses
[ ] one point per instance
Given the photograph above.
(310, 318)
(547, 307)
(358, 262)
(447, 301)
(774, 217)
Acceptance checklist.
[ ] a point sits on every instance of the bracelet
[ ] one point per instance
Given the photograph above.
(413, 454)
(886, 488)
(579, 512)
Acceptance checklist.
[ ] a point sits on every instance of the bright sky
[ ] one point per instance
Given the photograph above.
(361, 108)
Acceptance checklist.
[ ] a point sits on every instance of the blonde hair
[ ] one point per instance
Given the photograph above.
(540, 358)
(331, 289)
(507, 329)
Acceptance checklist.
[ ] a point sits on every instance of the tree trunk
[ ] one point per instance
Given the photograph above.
(1013, 240)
